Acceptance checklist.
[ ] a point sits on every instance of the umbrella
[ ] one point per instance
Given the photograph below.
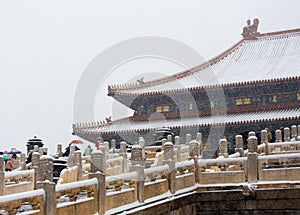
(76, 142)
(14, 151)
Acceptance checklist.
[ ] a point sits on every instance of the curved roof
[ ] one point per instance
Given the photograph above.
(125, 125)
(266, 57)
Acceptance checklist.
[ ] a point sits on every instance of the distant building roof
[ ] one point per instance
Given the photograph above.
(260, 57)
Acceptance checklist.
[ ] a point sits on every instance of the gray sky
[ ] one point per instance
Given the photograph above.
(45, 47)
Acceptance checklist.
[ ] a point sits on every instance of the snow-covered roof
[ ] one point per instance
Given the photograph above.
(267, 57)
(126, 125)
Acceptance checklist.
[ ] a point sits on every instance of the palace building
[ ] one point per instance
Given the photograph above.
(255, 84)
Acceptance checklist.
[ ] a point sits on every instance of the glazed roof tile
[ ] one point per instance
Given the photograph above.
(126, 125)
(267, 57)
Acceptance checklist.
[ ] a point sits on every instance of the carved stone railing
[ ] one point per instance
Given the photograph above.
(184, 174)
(18, 181)
(77, 198)
(30, 202)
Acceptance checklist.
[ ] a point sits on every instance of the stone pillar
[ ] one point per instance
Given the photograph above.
(287, 134)
(163, 141)
(71, 161)
(252, 161)
(35, 164)
(2, 176)
(142, 144)
(264, 140)
(59, 150)
(239, 145)
(251, 134)
(223, 148)
(194, 154)
(36, 148)
(294, 132)
(41, 151)
(45, 181)
(169, 159)
(188, 138)
(278, 136)
(169, 138)
(122, 153)
(98, 162)
(200, 140)
(178, 147)
(113, 145)
(23, 161)
(98, 173)
(137, 166)
(78, 163)
(106, 145)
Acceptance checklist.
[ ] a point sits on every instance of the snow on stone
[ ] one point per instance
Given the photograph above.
(28, 194)
(18, 173)
(76, 184)
(157, 169)
(131, 175)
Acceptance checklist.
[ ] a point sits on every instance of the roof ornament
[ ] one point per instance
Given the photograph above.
(250, 31)
(108, 120)
(141, 81)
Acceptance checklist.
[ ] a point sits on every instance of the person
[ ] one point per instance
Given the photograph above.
(15, 161)
(67, 152)
(98, 143)
(8, 165)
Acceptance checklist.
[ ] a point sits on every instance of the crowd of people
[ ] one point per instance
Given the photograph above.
(11, 161)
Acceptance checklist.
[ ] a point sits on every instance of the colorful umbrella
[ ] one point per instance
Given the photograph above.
(14, 151)
(76, 142)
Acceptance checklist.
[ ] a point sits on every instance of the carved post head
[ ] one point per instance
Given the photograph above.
(264, 136)
(188, 138)
(287, 134)
(239, 143)
(35, 159)
(194, 148)
(36, 148)
(169, 151)
(46, 168)
(199, 137)
(177, 140)
(98, 161)
(123, 147)
(169, 138)
(142, 142)
(113, 143)
(251, 134)
(252, 144)
(294, 132)
(223, 146)
(72, 149)
(78, 157)
(87, 151)
(22, 157)
(278, 136)
(136, 155)
(106, 144)
(59, 150)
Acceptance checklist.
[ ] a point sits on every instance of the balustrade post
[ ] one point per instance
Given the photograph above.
(113, 145)
(23, 161)
(169, 159)
(35, 164)
(106, 144)
(239, 145)
(59, 150)
(71, 161)
(194, 154)
(137, 166)
(98, 172)
(2, 176)
(188, 138)
(199, 138)
(278, 136)
(87, 152)
(223, 148)
(264, 140)
(78, 163)
(124, 155)
(178, 147)
(45, 181)
(252, 160)
(287, 134)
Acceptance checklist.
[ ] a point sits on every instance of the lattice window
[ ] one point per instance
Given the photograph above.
(239, 101)
(166, 108)
(158, 109)
(298, 96)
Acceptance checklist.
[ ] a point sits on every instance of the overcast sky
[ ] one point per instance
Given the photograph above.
(45, 47)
